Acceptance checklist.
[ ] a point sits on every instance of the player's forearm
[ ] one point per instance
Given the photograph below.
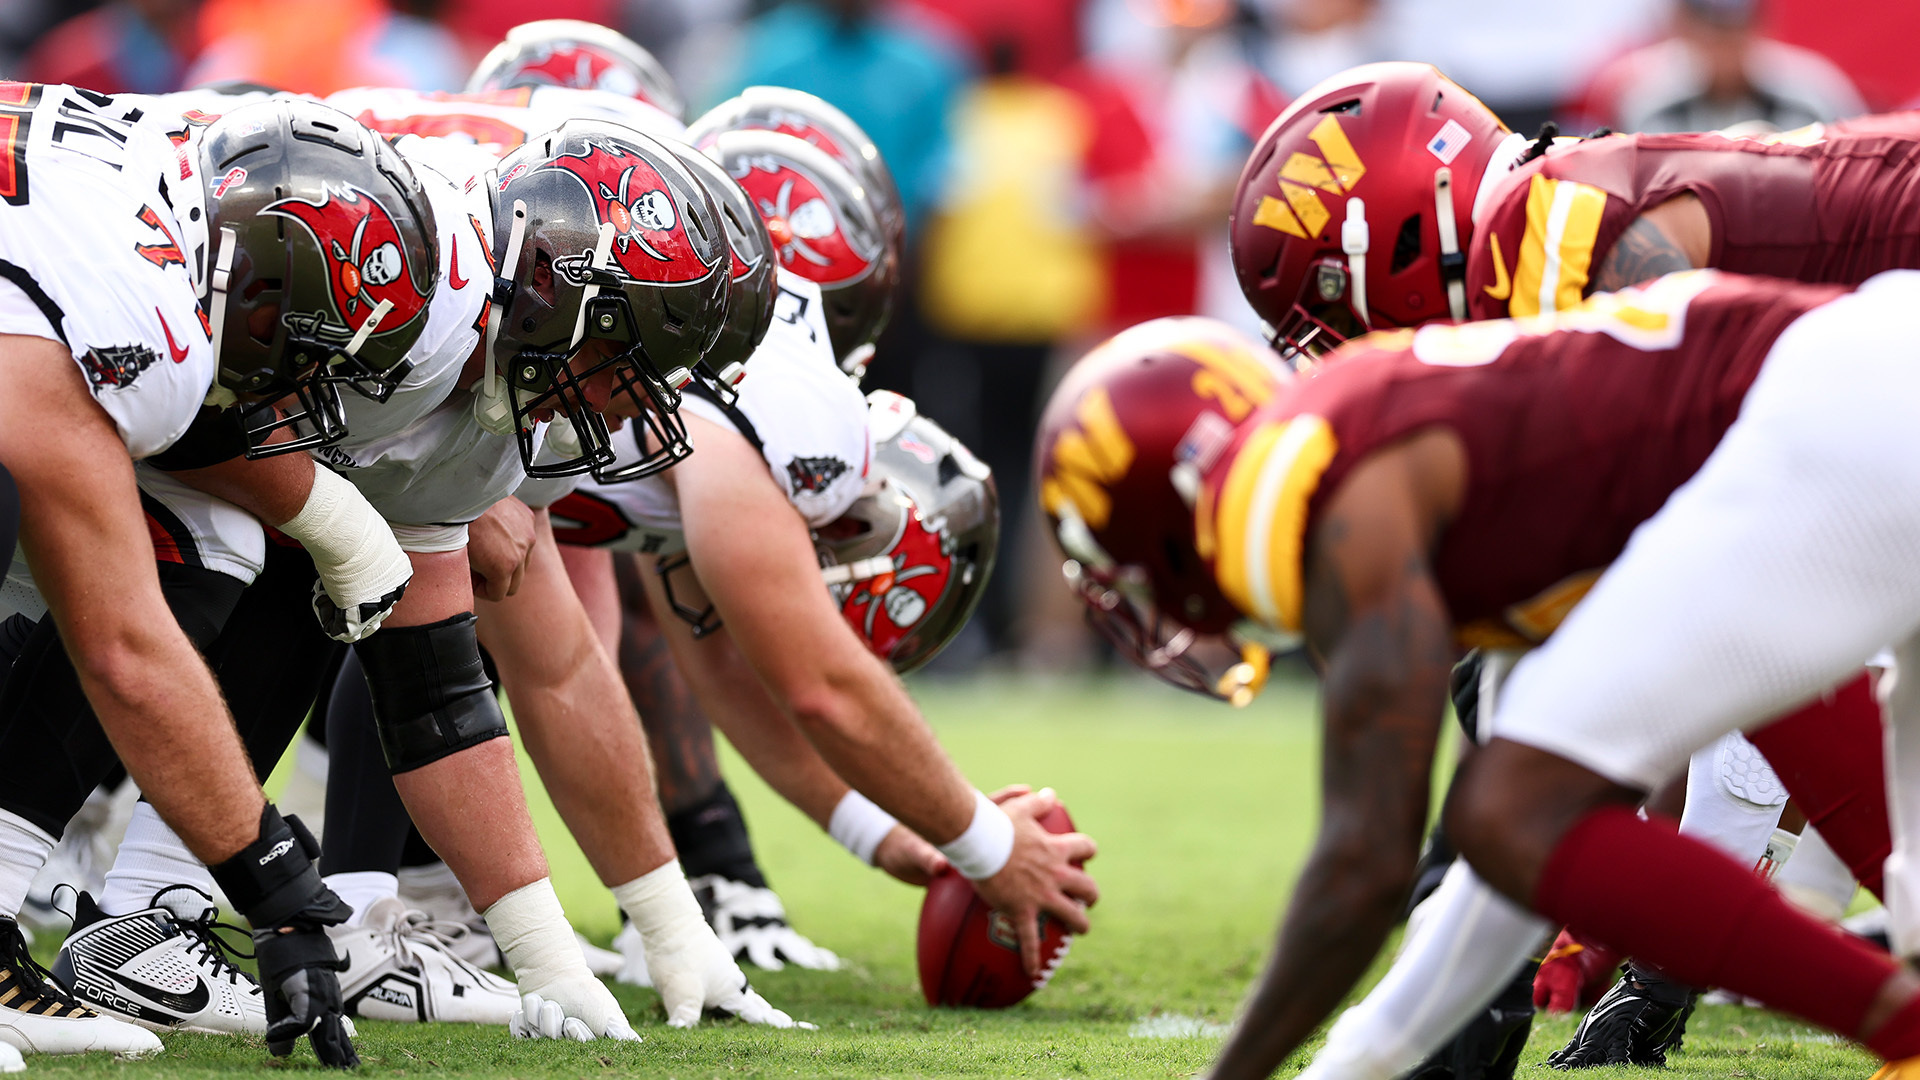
(869, 732)
(576, 722)
(273, 489)
(770, 742)
(1343, 908)
(161, 709)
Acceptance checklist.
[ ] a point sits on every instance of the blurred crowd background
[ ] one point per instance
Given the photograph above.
(1066, 163)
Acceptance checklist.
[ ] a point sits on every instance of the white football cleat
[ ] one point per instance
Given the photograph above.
(433, 891)
(81, 858)
(752, 923)
(10, 1059)
(163, 968)
(37, 1017)
(404, 966)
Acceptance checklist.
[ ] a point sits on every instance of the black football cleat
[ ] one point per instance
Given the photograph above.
(1638, 1022)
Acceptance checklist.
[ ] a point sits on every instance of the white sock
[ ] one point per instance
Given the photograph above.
(361, 889)
(151, 858)
(1815, 880)
(24, 848)
(1733, 799)
(1465, 950)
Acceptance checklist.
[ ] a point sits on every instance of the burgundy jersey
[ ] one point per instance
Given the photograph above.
(1576, 427)
(1833, 202)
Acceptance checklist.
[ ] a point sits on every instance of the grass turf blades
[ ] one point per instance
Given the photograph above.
(1205, 815)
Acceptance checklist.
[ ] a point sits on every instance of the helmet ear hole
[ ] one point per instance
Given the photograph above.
(1406, 246)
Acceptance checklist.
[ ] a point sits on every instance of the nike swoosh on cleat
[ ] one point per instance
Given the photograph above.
(184, 1004)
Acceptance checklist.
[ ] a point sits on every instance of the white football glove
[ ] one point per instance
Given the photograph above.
(578, 1009)
(751, 924)
(559, 997)
(691, 970)
(363, 571)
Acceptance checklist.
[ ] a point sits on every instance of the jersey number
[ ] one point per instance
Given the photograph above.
(17, 101)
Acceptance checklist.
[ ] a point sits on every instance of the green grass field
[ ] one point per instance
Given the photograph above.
(1204, 815)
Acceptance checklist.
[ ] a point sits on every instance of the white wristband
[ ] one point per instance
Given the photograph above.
(533, 933)
(859, 825)
(987, 844)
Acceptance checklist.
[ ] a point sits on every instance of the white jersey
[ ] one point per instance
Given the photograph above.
(421, 458)
(91, 250)
(497, 121)
(808, 420)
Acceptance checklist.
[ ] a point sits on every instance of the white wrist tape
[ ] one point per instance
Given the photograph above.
(532, 931)
(660, 903)
(358, 558)
(987, 844)
(859, 825)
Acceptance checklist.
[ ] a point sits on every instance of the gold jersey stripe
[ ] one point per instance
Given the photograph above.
(1262, 518)
(1556, 253)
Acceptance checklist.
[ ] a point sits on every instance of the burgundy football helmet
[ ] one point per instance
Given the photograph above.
(580, 56)
(1120, 457)
(909, 560)
(1355, 209)
(824, 228)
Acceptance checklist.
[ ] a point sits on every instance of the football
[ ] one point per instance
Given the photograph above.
(970, 954)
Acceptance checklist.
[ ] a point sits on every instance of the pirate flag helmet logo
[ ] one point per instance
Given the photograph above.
(909, 560)
(650, 242)
(367, 266)
(823, 226)
(323, 257)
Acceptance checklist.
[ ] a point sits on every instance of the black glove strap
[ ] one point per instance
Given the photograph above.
(274, 879)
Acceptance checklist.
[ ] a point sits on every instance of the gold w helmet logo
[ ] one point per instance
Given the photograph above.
(1087, 462)
(1302, 176)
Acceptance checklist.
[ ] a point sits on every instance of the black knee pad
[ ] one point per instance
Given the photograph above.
(431, 695)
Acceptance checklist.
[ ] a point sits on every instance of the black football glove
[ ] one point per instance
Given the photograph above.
(274, 883)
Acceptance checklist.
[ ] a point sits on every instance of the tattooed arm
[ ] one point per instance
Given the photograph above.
(1374, 613)
(1676, 235)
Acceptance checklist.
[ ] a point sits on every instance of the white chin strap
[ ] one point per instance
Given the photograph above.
(219, 396)
(602, 260)
(366, 330)
(857, 571)
(490, 408)
(1449, 240)
(1354, 241)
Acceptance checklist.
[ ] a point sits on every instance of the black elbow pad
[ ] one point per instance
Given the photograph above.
(431, 694)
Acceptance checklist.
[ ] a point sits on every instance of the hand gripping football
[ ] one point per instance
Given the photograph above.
(970, 954)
